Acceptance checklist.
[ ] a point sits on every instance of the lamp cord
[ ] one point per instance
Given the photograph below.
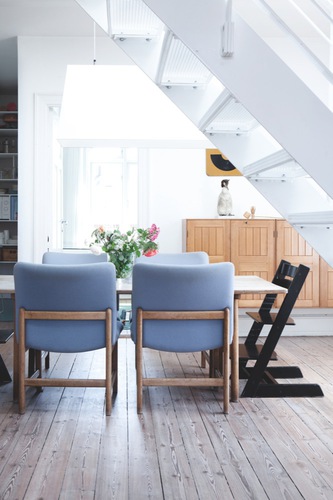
(94, 59)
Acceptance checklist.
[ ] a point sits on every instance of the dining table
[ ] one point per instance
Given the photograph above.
(243, 285)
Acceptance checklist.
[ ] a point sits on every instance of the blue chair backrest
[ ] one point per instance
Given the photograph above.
(69, 258)
(184, 259)
(91, 287)
(182, 288)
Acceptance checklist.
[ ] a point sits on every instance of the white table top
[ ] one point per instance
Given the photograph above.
(243, 284)
(7, 283)
(255, 284)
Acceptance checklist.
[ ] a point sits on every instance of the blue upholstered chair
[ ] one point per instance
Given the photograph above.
(183, 258)
(67, 309)
(71, 258)
(61, 258)
(183, 309)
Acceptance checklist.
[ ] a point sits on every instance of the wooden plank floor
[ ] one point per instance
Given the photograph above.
(181, 447)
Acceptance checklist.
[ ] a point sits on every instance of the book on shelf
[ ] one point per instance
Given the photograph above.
(13, 207)
(5, 207)
(8, 206)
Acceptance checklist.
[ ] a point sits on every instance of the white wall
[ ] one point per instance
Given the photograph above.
(180, 189)
(178, 185)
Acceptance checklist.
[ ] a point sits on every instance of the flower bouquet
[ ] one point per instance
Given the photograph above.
(122, 248)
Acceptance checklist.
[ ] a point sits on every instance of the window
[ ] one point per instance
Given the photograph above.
(100, 187)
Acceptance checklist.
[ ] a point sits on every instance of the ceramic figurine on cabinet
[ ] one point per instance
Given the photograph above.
(224, 204)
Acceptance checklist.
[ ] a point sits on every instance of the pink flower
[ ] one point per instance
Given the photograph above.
(153, 231)
(150, 252)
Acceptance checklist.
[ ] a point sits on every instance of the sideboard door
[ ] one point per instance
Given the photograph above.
(253, 252)
(211, 236)
(293, 248)
(326, 284)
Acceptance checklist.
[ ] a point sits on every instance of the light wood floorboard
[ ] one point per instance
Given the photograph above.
(181, 447)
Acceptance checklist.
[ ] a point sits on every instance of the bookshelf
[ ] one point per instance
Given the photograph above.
(8, 183)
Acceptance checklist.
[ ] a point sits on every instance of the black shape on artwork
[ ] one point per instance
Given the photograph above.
(222, 163)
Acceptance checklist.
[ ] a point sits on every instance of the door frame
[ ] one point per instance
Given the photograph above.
(43, 178)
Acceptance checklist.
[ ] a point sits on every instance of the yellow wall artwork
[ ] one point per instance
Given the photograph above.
(217, 164)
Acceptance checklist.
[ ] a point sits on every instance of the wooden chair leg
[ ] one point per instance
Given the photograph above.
(226, 378)
(226, 364)
(234, 353)
(21, 371)
(115, 370)
(108, 365)
(138, 356)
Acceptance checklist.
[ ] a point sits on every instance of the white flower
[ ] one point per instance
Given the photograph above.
(96, 249)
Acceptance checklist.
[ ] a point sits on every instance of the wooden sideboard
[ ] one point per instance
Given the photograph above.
(256, 246)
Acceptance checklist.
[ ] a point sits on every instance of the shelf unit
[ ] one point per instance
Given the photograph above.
(8, 184)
